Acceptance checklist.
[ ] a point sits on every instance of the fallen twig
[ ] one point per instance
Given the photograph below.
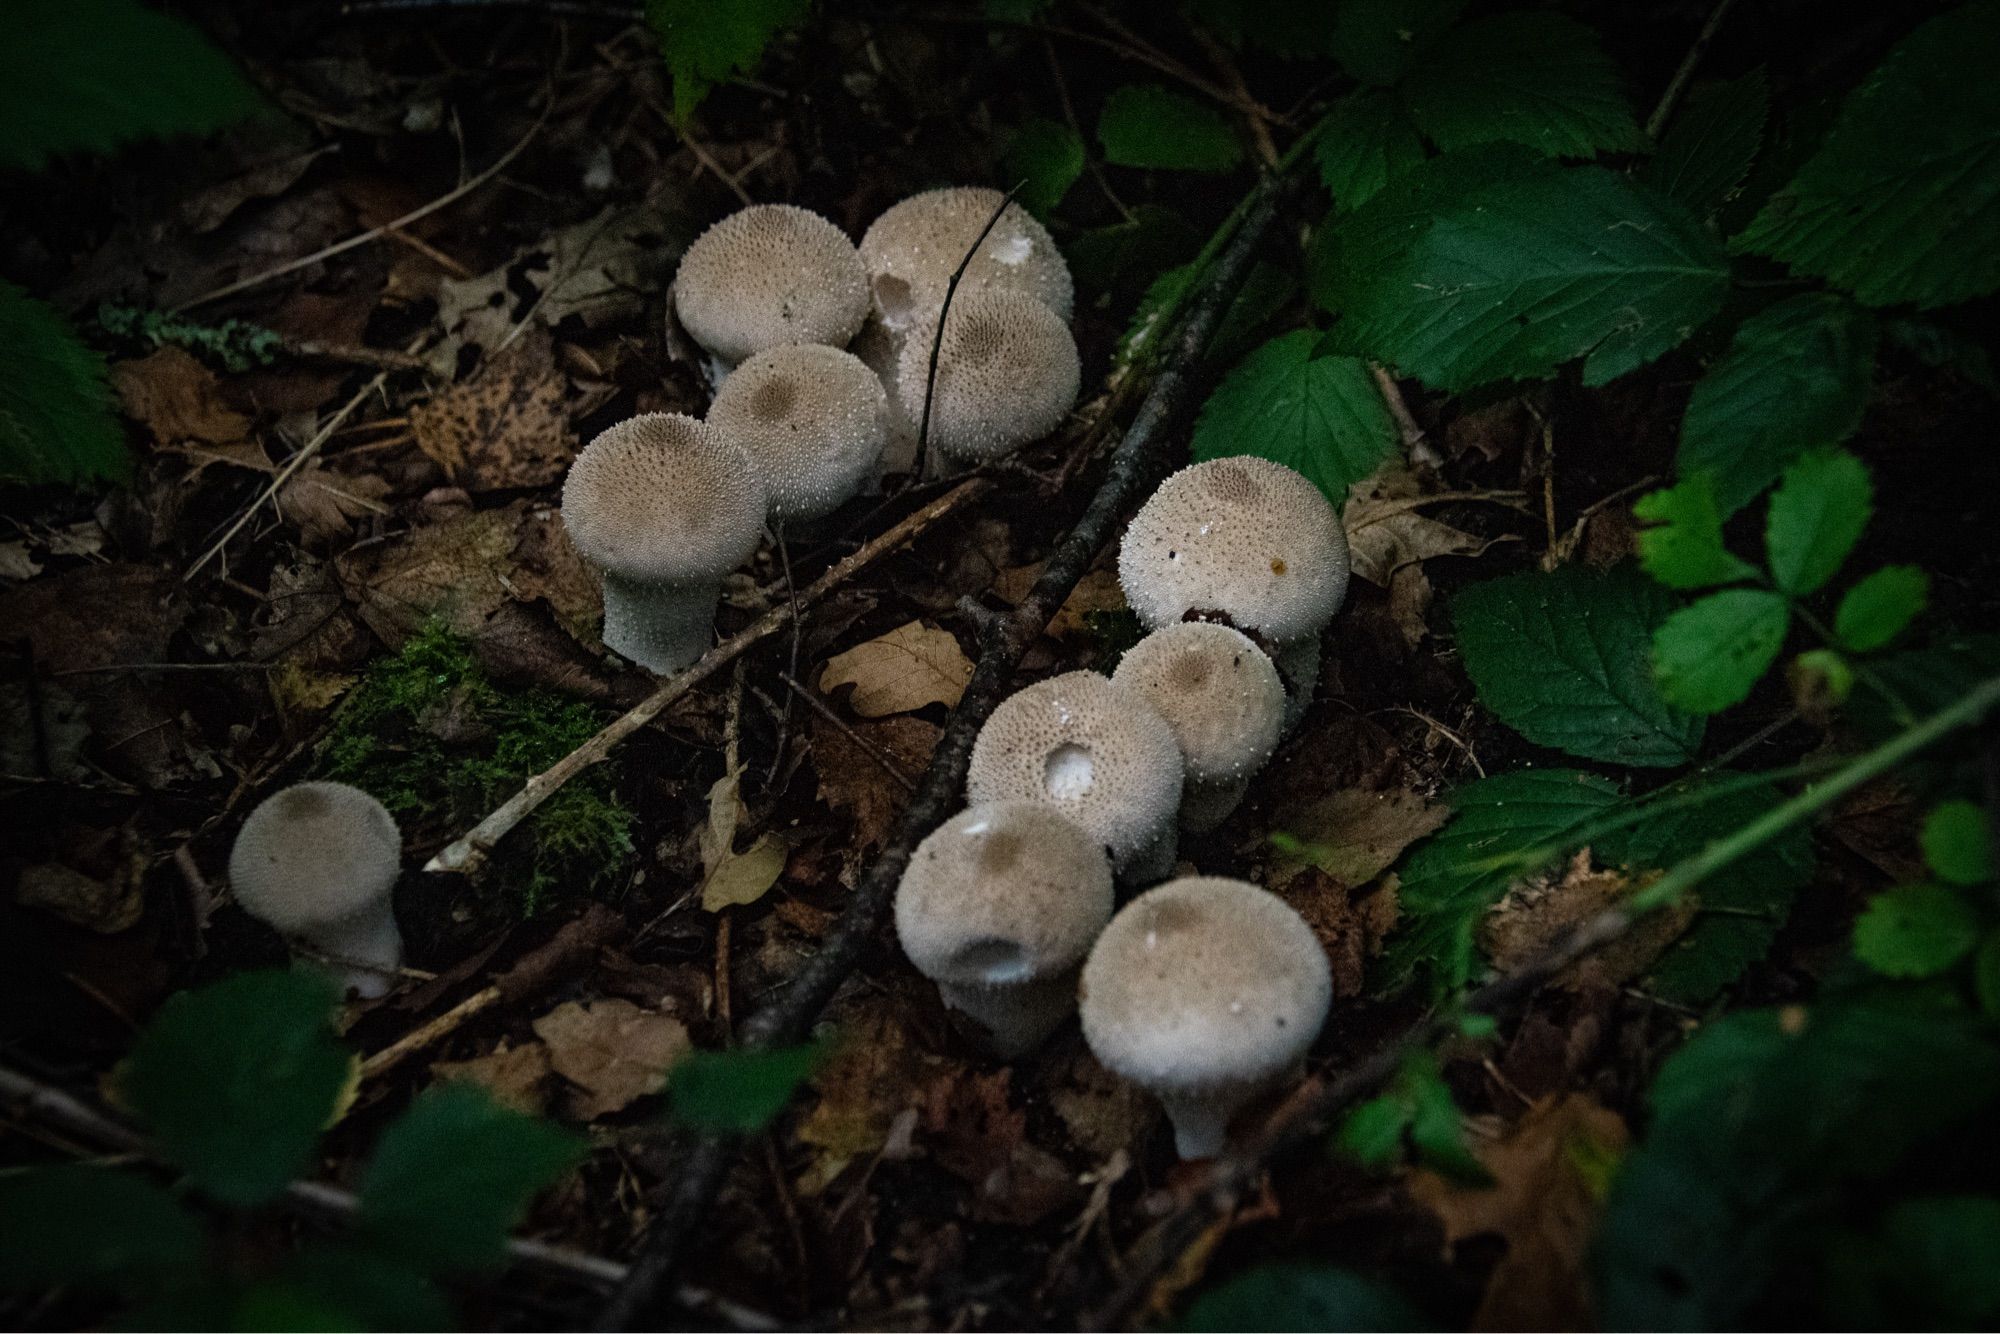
(1678, 84)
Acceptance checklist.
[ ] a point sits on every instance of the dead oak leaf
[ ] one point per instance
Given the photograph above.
(853, 783)
(912, 666)
(1098, 591)
(1356, 833)
(325, 504)
(730, 877)
(517, 1077)
(612, 1051)
(177, 399)
(505, 427)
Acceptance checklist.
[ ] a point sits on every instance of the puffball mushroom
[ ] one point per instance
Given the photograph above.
(768, 275)
(319, 862)
(998, 907)
(1007, 373)
(1205, 992)
(911, 251)
(1223, 700)
(813, 421)
(664, 506)
(1096, 752)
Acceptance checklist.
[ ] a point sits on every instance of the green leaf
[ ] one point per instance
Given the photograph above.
(1710, 653)
(1709, 146)
(1048, 155)
(1817, 514)
(238, 1079)
(738, 1092)
(1492, 265)
(1943, 1254)
(90, 1225)
(1562, 659)
(705, 43)
(1533, 78)
(1368, 141)
(1794, 378)
(1145, 125)
(1262, 295)
(1684, 549)
(1502, 828)
(1915, 931)
(1123, 259)
(1881, 606)
(1986, 976)
(1323, 418)
(1902, 201)
(1437, 1130)
(92, 75)
(1958, 843)
(1372, 1134)
(1378, 40)
(362, 1289)
(455, 1172)
(56, 422)
(1296, 1296)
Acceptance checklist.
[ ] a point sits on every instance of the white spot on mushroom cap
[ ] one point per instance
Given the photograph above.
(912, 250)
(768, 275)
(663, 498)
(1218, 692)
(1243, 536)
(1007, 373)
(812, 420)
(314, 855)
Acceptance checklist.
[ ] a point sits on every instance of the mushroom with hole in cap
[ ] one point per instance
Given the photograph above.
(664, 506)
(911, 251)
(1205, 992)
(998, 907)
(1222, 697)
(1007, 373)
(319, 862)
(1096, 752)
(767, 275)
(812, 420)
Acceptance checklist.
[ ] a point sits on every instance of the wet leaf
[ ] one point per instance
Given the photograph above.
(612, 1051)
(912, 666)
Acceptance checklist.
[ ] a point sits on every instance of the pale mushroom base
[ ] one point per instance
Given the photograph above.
(661, 627)
(1019, 1017)
(362, 952)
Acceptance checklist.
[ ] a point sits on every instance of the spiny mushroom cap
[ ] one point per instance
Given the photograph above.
(813, 421)
(1217, 691)
(663, 498)
(1088, 747)
(770, 274)
(1007, 892)
(313, 855)
(1007, 373)
(1204, 983)
(1242, 536)
(912, 250)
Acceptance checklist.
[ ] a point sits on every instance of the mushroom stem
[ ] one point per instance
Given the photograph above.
(1018, 1017)
(1201, 1120)
(1298, 666)
(1150, 862)
(361, 952)
(662, 627)
(1206, 803)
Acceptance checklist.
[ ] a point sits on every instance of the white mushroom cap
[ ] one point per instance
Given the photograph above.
(1217, 691)
(1204, 991)
(770, 274)
(912, 250)
(998, 907)
(1093, 750)
(663, 498)
(1244, 537)
(1007, 373)
(813, 421)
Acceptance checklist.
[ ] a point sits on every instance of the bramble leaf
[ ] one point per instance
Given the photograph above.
(90, 1225)
(1709, 146)
(56, 422)
(1958, 843)
(1297, 1296)
(1534, 78)
(1880, 606)
(1145, 125)
(1816, 516)
(1710, 653)
(705, 43)
(1368, 141)
(1684, 549)
(1323, 417)
(1916, 931)
(1378, 40)
(1048, 155)
(738, 1092)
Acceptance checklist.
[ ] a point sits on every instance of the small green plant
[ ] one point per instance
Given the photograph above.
(705, 43)
(235, 345)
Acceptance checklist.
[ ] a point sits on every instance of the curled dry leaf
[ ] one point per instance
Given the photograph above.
(1537, 911)
(730, 877)
(106, 906)
(176, 399)
(505, 427)
(612, 1051)
(875, 1075)
(1389, 539)
(912, 666)
(1356, 833)
(325, 504)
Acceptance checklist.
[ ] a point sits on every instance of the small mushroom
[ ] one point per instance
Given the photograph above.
(319, 862)
(1007, 373)
(767, 275)
(813, 421)
(998, 907)
(1096, 752)
(1205, 992)
(912, 250)
(664, 506)
(1223, 700)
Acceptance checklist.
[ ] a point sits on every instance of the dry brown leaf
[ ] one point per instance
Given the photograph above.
(1103, 1113)
(730, 877)
(612, 1051)
(1357, 833)
(106, 906)
(874, 1075)
(976, 1133)
(177, 399)
(517, 1077)
(325, 504)
(1097, 591)
(852, 783)
(1389, 539)
(1549, 1175)
(505, 427)
(1537, 911)
(912, 666)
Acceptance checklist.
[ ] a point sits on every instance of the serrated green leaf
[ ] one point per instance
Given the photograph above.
(1902, 201)
(1437, 1130)
(1684, 549)
(1881, 606)
(1958, 843)
(1145, 125)
(1296, 1296)
(359, 1288)
(1492, 265)
(1915, 931)
(92, 1226)
(1125, 258)
(237, 1080)
(1048, 156)
(1795, 378)
(1986, 976)
(1709, 146)
(1533, 78)
(1942, 1257)
(455, 1172)
(1562, 659)
(56, 421)
(1322, 417)
(1816, 516)
(1710, 653)
(738, 1092)
(1376, 41)
(1372, 1134)
(93, 75)
(705, 43)
(1264, 292)
(1368, 141)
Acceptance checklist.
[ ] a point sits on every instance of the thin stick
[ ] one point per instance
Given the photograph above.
(469, 853)
(1678, 84)
(841, 725)
(944, 312)
(430, 1034)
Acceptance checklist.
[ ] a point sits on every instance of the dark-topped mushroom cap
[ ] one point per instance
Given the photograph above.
(1007, 373)
(313, 855)
(813, 421)
(663, 498)
(1216, 689)
(767, 275)
(912, 250)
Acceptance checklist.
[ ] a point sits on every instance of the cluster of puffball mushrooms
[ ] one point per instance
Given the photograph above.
(1204, 990)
